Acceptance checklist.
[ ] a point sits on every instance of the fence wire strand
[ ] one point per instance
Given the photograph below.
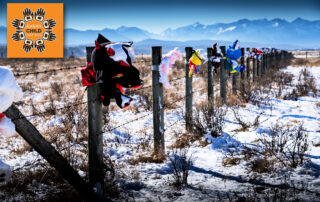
(18, 74)
(50, 111)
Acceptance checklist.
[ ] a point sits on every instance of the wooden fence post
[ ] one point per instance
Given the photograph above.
(242, 73)
(258, 69)
(188, 91)
(242, 63)
(282, 58)
(95, 138)
(234, 83)
(48, 152)
(158, 111)
(210, 79)
(267, 61)
(254, 69)
(263, 64)
(223, 89)
(274, 58)
(248, 64)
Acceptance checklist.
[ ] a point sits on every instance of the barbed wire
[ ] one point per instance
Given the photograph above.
(133, 120)
(56, 109)
(137, 119)
(18, 74)
(181, 98)
(50, 111)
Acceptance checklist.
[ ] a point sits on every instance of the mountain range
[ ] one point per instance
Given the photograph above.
(279, 33)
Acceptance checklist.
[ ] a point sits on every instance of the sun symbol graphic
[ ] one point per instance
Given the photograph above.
(29, 16)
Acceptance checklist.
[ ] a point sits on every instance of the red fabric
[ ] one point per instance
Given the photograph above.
(120, 88)
(136, 87)
(124, 64)
(88, 75)
(192, 66)
(1, 115)
(257, 51)
(110, 52)
(98, 46)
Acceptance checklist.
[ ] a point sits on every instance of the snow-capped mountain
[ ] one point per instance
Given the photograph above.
(299, 33)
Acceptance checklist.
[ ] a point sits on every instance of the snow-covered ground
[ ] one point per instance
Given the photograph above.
(209, 179)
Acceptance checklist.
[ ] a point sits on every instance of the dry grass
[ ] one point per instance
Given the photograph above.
(306, 62)
(261, 165)
(231, 161)
(145, 158)
(69, 134)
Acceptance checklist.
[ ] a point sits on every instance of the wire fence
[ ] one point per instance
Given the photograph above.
(18, 74)
(71, 105)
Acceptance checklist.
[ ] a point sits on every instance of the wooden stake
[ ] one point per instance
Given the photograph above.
(188, 92)
(158, 112)
(95, 141)
(223, 89)
(26, 130)
(210, 79)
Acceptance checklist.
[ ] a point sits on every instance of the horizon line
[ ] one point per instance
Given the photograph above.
(196, 22)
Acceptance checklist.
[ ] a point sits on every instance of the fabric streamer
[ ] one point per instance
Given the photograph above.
(166, 64)
(10, 91)
(197, 58)
(113, 68)
(232, 56)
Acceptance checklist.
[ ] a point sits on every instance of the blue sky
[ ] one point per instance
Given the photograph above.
(156, 16)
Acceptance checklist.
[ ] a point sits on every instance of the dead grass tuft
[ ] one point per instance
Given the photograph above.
(145, 158)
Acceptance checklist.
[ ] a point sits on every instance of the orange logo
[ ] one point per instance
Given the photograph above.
(35, 30)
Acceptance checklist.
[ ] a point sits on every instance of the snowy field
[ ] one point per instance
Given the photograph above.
(222, 167)
(209, 178)
(306, 54)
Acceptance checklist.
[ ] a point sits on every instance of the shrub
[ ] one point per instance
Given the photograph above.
(181, 164)
(287, 145)
(245, 125)
(208, 120)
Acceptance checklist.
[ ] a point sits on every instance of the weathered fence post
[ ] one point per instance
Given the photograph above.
(48, 152)
(242, 73)
(188, 91)
(95, 142)
(210, 79)
(267, 61)
(306, 54)
(242, 63)
(254, 69)
(263, 64)
(258, 68)
(223, 89)
(248, 64)
(158, 111)
(282, 58)
(274, 58)
(234, 83)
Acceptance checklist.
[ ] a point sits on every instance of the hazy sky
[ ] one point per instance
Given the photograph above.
(156, 16)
